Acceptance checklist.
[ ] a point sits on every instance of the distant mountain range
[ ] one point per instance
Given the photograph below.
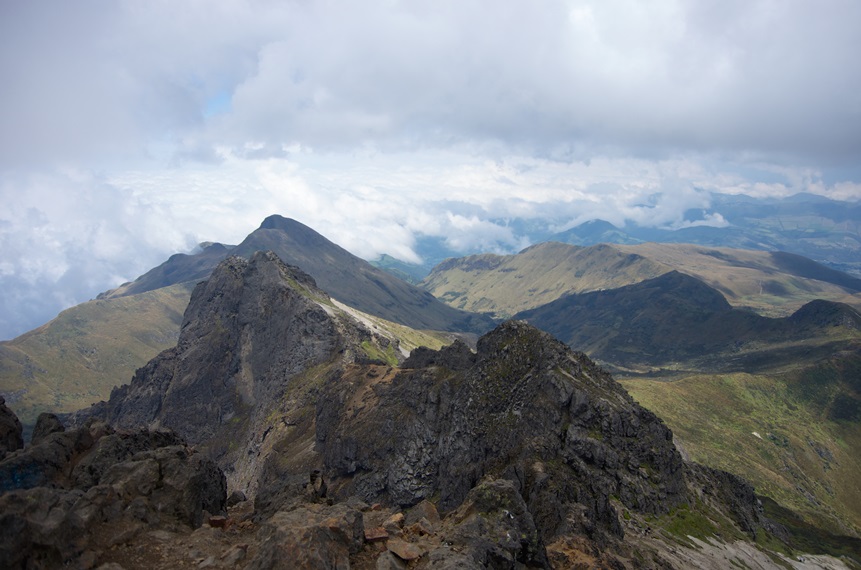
(337, 451)
(771, 333)
(824, 230)
(772, 283)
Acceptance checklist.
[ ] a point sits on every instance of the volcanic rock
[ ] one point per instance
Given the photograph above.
(46, 424)
(84, 489)
(528, 409)
(10, 430)
(310, 537)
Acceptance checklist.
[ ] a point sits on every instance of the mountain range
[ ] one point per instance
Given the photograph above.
(321, 386)
(522, 453)
(824, 230)
(78, 357)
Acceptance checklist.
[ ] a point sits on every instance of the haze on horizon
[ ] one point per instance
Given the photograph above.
(133, 130)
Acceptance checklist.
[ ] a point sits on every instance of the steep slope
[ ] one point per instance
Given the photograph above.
(346, 277)
(75, 359)
(676, 318)
(179, 268)
(771, 283)
(288, 393)
(503, 285)
(356, 282)
(790, 433)
(250, 330)
(773, 399)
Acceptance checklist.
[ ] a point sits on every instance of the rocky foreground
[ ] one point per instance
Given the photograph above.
(339, 453)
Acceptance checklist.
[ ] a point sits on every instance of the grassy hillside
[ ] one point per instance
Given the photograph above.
(761, 427)
(677, 321)
(771, 283)
(776, 400)
(503, 285)
(77, 358)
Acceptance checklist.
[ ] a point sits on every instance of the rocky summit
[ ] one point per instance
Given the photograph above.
(338, 451)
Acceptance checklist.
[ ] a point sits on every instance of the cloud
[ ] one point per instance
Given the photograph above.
(642, 78)
(67, 236)
(129, 130)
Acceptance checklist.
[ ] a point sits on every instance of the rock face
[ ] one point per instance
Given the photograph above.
(312, 536)
(525, 408)
(520, 445)
(46, 424)
(10, 430)
(89, 488)
(246, 332)
(250, 333)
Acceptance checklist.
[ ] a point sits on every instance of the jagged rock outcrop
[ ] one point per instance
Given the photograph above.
(46, 424)
(311, 536)
(525, 408)
(521, 445)
(11, 438)
(250, 333)
(492, 528)
(73, 493)
(246, 332)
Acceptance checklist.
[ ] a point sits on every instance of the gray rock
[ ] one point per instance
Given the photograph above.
(251, 325)
(308, 537)
(236, 496)
(10, 430)
(45, 463)
(494, 528)
(46, 424)
(114, 448)
(529, 410)
(126, 483)
(388, 561)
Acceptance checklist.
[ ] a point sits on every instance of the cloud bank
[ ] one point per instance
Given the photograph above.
(131, 130)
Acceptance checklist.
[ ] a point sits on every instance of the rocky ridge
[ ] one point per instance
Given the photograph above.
(71, 495)
(522, 454)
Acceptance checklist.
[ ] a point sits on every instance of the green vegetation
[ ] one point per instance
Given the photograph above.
(757, 427)
(76, 359)
(759, 280)
(805, 537)
(505, 285)
(684, 522)
(375, 352)
(767, 283)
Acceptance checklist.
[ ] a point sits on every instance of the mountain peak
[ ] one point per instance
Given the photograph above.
(279, 222)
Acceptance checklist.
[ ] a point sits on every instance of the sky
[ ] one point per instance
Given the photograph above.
(132, 130)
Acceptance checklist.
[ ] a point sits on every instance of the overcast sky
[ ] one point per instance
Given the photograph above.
(133, 130)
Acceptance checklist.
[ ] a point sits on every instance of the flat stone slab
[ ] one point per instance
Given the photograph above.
(404, 550)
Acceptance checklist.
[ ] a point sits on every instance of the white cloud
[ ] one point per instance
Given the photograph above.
(131, 130)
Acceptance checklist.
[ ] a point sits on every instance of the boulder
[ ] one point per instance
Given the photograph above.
(236, 496)
(46, 424)
(313, 536)
(10, 430)
(494, 529)
(75, 492)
